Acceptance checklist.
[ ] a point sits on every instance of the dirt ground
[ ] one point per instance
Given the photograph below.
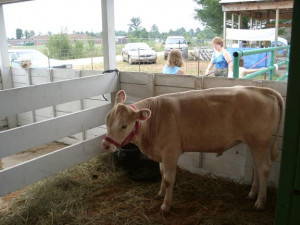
(25, 156)
(29, 154)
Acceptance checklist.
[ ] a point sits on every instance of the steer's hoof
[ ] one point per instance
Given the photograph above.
(165, 208)
(252, 195)
(160, 194)
(259, 205)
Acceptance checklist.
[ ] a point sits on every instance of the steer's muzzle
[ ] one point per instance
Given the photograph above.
(108, 146)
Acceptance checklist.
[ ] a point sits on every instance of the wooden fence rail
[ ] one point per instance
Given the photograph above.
(12, 141)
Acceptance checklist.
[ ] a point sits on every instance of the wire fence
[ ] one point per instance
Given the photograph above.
(87, 53)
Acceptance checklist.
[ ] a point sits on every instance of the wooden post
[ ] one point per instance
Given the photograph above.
(276, 27)
(256, 23)
(232, 20)
(108, 35)
(224, 28)
(29, 82)
(251, 21)
(51, 79)
(260, 23)
(240, 19)
(5, 65)
(276, 33)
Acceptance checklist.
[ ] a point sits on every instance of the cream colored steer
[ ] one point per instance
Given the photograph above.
(211, 120)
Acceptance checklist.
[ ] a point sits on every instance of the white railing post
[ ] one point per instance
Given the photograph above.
(5, 65)
(108, 35)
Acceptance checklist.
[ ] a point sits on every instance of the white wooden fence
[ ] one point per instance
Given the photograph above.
(67, 110)
(18, 100)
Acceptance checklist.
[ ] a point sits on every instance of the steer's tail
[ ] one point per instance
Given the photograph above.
(274, 149)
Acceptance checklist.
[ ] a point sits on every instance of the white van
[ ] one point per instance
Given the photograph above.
(176, 42)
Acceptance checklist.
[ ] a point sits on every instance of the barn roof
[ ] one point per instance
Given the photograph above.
(12, 1)
(258, 8)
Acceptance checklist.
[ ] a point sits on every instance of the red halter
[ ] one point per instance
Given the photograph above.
(134, 132)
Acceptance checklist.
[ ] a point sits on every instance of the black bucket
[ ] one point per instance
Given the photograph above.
(138, 166)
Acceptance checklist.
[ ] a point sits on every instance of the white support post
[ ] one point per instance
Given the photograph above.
(232, 20)
(4, 60)
(108, 34)
(5, 65)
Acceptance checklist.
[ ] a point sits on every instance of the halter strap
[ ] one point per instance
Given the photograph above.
(133, 133)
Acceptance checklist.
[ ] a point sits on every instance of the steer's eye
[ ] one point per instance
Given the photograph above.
(124, 127)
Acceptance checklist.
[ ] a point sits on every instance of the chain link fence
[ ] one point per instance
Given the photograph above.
(87, 53)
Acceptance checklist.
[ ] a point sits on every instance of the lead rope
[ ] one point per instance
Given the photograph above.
(110, 71)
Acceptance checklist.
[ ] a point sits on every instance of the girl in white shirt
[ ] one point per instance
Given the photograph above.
(242, 70)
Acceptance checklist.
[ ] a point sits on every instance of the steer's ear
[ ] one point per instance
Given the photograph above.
(143, 114)
(120, 97)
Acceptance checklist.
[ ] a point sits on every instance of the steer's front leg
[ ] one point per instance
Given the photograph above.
(168, 180)
(162, 190)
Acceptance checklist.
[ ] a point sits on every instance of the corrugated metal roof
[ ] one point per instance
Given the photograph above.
(2, 2)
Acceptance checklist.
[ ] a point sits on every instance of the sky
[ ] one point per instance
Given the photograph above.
(85, 15)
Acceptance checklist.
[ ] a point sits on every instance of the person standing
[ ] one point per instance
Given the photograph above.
(221, 59)
(174, 63)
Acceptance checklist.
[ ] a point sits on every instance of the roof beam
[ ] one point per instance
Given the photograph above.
(250, 6)
(2, 2)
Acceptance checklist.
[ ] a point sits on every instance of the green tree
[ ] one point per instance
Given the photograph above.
(192, 32)
(154, 32)
(135, 23)
(78, 49)
(207, 33)
(210, 14)
(120, 33)
(26, 34)
(19, 33)
(59, 46)
(31, 33)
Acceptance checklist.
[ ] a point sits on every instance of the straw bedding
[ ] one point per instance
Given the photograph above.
(96, 192)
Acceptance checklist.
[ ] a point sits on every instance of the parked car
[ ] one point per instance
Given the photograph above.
(138, 52)
(176, 42)
(37, 59)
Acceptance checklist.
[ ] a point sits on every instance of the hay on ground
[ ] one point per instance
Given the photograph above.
(96, 192)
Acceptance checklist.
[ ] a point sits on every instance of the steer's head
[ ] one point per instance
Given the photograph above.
(122, 122)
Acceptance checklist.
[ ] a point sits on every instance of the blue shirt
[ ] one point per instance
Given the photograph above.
(220, 61)
(171, 69)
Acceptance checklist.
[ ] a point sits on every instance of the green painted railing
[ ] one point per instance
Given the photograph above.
(238, 54)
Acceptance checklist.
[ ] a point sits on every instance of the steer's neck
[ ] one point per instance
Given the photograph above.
(137, 140)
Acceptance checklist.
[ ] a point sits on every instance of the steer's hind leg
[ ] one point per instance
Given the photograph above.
(255, 183)
(262, 162)
(168, 179)
(162, 190)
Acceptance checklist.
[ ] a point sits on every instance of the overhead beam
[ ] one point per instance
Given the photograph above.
(257, 6)
(2, 2)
